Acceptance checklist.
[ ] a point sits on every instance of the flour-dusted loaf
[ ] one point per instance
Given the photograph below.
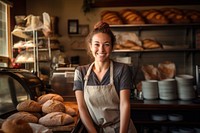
(150, 72)
(29, 106)
(26, 116)
(53, 106)
(166, 70)
(16, 126)
(42, 99)
(56, 119)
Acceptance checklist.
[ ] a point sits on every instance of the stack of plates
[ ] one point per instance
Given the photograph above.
(167, 89)
(150, 89)
(185, 87)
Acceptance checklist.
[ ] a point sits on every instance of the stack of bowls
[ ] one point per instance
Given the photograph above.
(150, 89)
(168, 89)
(185, 87)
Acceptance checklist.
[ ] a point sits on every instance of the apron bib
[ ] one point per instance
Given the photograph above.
(103, 105)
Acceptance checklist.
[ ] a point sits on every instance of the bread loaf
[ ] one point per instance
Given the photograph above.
(53, 106)
(130, 16)
(56, 119)
(111, 17)
(150, 44)
(29, 106)
(175, 15)
(132, 45)
(166, 70)
(16, 126)
(154, 16)
(42, 99)
(69, 110)
(193, 15)
(28, 117)
(150, 72)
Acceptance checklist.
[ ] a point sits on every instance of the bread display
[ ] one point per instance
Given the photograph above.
(69, 110)
(53, 106)
(111, 17)
(56, 119)
(130, 16)
(154, 16)
(42, 99)
(193, 15)
(175, 15)
(29, 106)
(28, 117)
(16, 126)
(150, 44)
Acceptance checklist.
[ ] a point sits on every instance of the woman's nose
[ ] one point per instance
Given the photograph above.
(101, 48)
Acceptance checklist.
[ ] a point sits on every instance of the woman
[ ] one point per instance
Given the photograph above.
(102, 88)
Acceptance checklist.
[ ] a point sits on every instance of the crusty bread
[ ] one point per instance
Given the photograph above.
(16, 126)
(28, 117)
(53, 106)
(166, 70)
(29, 106)
(193, 15)
(69, 110)
(175, 15)
(128, 44)
(56, 119)
(154, 16)
(131, 16)
(150, 44)
(150, 72)
(43, 98)
(111, 17)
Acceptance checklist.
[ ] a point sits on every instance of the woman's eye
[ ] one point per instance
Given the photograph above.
(107, 44)
(96, 44)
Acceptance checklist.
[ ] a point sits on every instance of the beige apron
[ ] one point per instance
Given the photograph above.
(103, 105)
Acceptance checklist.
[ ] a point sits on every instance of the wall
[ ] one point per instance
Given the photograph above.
(71, 9)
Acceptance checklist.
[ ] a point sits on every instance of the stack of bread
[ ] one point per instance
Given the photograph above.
(151, 44)
(193, 15)
(111, 17)
(175, 15)
(49, 110)
(154, 16)
(130, 16)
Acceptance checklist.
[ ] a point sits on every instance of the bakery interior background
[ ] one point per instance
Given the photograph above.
(72, 9)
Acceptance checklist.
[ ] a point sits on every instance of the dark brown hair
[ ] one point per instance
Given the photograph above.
(100, 27)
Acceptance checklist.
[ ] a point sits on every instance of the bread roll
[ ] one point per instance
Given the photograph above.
(111, 17)
(131, 16)
(56, 119)
(175, 15)
(42, 99)
(69, 110)
(150, 44)
(53, 106)
(16, 126)
(154, 17)
(28, 117)
(29, 106)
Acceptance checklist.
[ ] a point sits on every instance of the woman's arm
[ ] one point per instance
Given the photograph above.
(84, 114)
(124, 110)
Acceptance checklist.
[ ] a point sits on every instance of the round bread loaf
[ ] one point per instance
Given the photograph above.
(43, 98)
(56, 119)
(16, 126)
(53, 106)
(28, 117)
(29, 106)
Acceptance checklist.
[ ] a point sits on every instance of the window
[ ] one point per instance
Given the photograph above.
(4, 29)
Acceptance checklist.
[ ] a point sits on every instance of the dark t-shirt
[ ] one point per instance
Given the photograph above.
(121, 72)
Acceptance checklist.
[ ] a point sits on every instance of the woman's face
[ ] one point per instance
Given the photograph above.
(101, 47)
